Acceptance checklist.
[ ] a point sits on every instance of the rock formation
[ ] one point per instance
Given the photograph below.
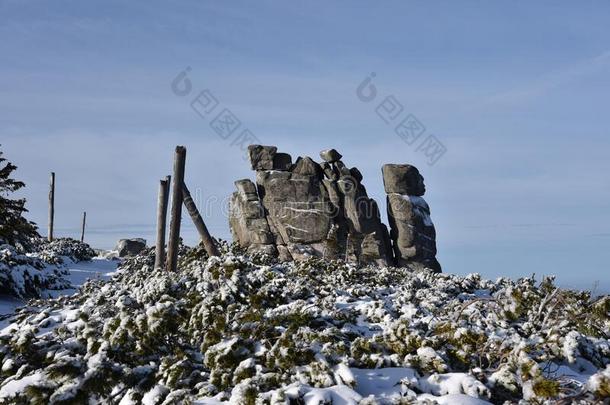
(130, 247)
(247, 219)
(306, 209)
(412, 231)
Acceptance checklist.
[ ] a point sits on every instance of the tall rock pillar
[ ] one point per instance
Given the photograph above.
(412, 231)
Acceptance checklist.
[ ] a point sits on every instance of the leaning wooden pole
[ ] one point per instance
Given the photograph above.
(82, 233)
(162, 221)
(176, 213)
(205, 236)
(51, 206)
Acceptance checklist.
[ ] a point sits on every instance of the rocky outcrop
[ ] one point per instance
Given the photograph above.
(261, 157)
(247, 219)
(297, 208)
(412, 231)
(306, 209)
(309, 209)
(130, 247)
(360, 232)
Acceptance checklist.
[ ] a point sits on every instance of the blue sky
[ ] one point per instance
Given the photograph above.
(518, 93)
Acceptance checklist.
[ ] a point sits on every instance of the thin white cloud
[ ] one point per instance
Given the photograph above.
(552, 80)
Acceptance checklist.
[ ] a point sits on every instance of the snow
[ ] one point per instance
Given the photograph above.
(8, 329)
(420, 206)
(453, 399)
(336, 395)
(153, 396)
(451, 383)
(224, 329)
(596, 381)
(126, 400)
(78, 274)
(393, 383)
(13, 387)
(209, 401)
(382, 382)
(8, 304)
(570, 346)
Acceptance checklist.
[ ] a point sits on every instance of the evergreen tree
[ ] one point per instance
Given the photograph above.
(14, 228)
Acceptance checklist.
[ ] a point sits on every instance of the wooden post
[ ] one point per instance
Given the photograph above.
(82, 234)
(162, 221)
(206, 238)
(51, 206)
(176, 213)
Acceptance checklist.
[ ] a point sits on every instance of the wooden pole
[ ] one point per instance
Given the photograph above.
(51, 206)
(82, 234)
(162, 221)
(176, 213)
(206, 238)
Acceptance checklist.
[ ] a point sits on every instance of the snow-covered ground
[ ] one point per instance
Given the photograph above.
(383, 385)
(241, 330)
(8, 304)
(98, 268)
(79, 273)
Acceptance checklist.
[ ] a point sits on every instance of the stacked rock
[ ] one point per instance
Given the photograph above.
(412, 231)
(297, 208)
(307, 210)
(359, 233)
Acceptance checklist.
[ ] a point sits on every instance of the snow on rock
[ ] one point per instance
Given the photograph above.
(242, 329)
(421, 208)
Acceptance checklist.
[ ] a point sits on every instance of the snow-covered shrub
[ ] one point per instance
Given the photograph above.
(600, 383)
(30, 274)
(26, 276)
(254, 331)
(61, 248)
